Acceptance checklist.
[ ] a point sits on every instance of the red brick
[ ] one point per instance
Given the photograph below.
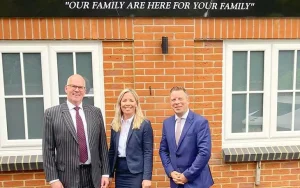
(13, 183)
(35, 183)
(5, 177)
(23, 176)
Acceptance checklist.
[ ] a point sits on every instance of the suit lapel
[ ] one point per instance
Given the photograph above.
(68, 120)
(89, 123)
(130, 131)
(172, 132)
(187, 125)
(117, 140)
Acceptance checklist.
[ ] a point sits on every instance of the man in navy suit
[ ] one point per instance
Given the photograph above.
(185, 147)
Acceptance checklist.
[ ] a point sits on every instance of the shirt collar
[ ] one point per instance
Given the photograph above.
(72, 106)
(184, 115)
(128, 120)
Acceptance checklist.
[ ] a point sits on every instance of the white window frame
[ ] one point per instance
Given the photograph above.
(269, 136)
(276, 49)
(51, 95)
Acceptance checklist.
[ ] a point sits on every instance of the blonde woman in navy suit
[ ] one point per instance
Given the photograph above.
(131, 144)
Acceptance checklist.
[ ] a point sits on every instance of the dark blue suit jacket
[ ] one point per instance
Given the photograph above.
(139, 150)
(192, 154)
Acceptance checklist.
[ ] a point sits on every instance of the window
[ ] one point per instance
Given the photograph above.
(32, 78)
(261, 93)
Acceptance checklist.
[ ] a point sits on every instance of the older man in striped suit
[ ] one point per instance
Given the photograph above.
(75, 152)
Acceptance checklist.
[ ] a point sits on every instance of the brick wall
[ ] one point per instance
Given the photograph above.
(133, 58)
(23, 179)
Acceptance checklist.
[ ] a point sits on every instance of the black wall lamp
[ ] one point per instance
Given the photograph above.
(164, 45)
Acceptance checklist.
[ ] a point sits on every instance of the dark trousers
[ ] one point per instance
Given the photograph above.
(86, 180)
(124, 178)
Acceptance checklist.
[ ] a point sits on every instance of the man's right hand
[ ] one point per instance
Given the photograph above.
(175, 176)
(56, 184)
(110, 182)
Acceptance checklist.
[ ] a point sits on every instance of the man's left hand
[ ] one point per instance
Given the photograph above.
(104, 182)
(182, 179)
(146, 184)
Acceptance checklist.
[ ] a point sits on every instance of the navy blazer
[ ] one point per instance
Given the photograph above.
(192, 154)
(139, 150)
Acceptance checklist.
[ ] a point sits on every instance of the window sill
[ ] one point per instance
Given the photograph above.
(250, 154)
(21, 163)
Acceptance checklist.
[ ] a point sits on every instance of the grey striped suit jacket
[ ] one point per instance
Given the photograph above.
(60, 146)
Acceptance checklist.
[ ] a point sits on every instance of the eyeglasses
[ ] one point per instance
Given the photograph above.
(80, 88)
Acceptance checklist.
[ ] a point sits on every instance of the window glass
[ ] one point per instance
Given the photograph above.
(238, 113)
(256, 71)
(84, 68)
(285, 69)
(239, 71)
(33, 74)
(255, 117)
(12, 74)
(65, 70)
(35, 114)
(15, 119)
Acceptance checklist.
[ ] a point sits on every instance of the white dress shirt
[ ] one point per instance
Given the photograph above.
(183, 119)
(81, 113)
(125, 126)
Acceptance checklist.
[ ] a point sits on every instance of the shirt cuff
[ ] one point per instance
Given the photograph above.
(53, 181)
(105, 176)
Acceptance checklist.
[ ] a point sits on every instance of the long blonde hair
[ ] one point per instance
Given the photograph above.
(138, 117)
